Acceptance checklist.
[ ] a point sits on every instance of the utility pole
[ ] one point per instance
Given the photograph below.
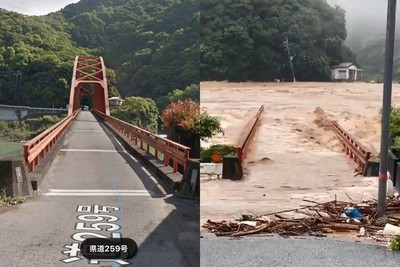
(286, 44)
(17, 95)
(386, 106)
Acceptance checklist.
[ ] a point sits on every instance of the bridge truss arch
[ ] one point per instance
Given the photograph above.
(89, 79)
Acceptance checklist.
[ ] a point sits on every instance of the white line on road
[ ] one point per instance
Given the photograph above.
(96, 192)
(91, 150)
(154, 181)
(143, 168)
(88, 131)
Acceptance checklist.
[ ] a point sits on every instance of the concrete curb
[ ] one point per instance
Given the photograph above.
(156, 167)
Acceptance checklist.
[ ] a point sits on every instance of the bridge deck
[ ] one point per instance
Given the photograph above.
(93, 169)
(91, 158)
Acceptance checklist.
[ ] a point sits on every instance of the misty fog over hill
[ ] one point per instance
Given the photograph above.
(366, 29)
(365, 19)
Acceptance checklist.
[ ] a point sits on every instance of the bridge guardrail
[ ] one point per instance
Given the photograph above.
(352, 147)
(32, 108)
(356, 151)
(178, 153)
(243, 142)
(41, 144)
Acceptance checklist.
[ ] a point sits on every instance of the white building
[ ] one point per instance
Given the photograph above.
(115, 102)
(346, 71)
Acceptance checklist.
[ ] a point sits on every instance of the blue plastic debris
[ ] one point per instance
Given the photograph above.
(353, 213)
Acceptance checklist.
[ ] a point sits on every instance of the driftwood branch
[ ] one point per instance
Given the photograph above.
(321, 218)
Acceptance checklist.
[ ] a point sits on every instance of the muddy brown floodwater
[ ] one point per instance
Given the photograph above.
(291, 157)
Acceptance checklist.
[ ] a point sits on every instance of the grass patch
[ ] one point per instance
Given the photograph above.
(12, 131)
(9, 201)
(11, 149)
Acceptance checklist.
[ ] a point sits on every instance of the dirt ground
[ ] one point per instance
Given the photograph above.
(291, 157)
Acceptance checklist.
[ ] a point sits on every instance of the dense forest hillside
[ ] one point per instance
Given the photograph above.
(243, 39)
(150, 47)
(35, 61)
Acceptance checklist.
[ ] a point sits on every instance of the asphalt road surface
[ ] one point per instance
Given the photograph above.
(293, 252)
(94, 187)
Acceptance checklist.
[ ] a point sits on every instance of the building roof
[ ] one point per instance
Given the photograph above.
(343, 65)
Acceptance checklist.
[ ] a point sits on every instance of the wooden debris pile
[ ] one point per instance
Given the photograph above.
(322, 218)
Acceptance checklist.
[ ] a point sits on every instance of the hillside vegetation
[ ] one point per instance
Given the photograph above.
(243, 39)
(150, 47)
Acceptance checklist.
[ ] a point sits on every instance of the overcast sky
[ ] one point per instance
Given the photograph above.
(35, 7)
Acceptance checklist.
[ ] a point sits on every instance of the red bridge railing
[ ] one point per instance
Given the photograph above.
(178, 153)
(351, 146)
(37, 147)
(244, 140)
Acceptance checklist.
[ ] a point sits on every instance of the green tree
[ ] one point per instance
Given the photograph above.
(138, 111)
(111, 83)
(190, 92)
(242, 39)
(149, 49)
(209, 126)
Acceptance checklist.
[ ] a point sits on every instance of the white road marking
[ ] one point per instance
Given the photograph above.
(72, 194)
(96, 192)
(91, 150)
(143, 168)
(116, 235)
(123, 149)
(88, 131)
(155, 181)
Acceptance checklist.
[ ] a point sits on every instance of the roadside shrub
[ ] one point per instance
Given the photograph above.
(183, 115)
(394, 129)
(205, 154)
(394, 243)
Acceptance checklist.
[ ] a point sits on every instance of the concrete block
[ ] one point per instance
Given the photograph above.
(190, 185)
(231, 168)
(14, 177)
(211, 168)
(371, 168)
